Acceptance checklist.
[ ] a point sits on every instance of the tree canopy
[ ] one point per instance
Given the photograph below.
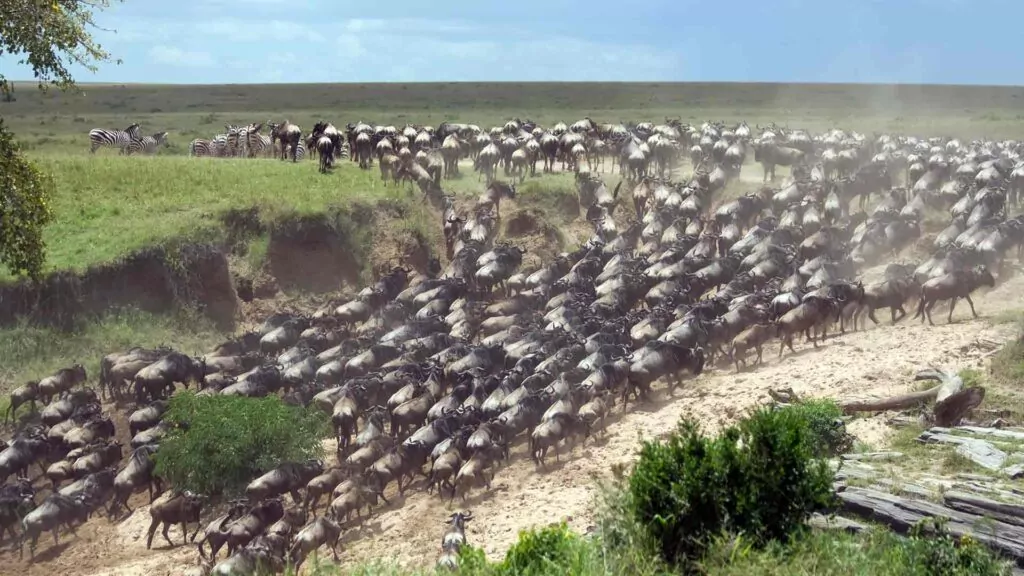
(51, 36)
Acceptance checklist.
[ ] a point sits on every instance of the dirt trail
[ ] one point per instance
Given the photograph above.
(876, 362)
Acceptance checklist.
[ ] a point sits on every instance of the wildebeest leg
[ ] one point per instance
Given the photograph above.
(952, 304)
(971, 302)
(167, 529)
(928, 311)
(759, 359)
(296, 497)
(903, 313)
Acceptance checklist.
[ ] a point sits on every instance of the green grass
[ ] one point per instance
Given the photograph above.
(30, 352)
(878, 553)
(107, 206)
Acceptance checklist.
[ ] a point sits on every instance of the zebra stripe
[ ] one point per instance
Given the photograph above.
(200, 147)
(220, 146)
(99, 137)
(147, 144)
(252, 142)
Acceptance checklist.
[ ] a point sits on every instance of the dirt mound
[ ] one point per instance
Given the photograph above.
(157, 279)
(311, 253)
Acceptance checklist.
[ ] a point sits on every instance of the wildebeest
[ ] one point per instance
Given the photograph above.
(177, 508)
(951, 286)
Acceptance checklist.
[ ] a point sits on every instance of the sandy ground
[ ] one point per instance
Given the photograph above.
(876, 362)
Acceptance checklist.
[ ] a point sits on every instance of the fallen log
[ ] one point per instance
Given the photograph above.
(978, 451)
(952, 400)
(902, 514)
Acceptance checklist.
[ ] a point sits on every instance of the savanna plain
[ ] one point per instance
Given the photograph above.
(295, 241)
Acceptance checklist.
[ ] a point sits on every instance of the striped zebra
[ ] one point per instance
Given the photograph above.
(224, 145)
(200, 147)
(147, 144)
(300, 152)
(253, 143)
(120, 138)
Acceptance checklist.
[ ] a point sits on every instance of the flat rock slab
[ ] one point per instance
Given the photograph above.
(902, 514)
(978, 451)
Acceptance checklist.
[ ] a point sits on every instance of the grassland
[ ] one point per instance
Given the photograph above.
(59, 122)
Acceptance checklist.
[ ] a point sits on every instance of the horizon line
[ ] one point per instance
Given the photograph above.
(539, 82)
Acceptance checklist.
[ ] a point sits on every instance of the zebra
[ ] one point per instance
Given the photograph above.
(147, 144)
(300, 151)
(223, 145)
(252, 142)
(200, 147)
(120, 138)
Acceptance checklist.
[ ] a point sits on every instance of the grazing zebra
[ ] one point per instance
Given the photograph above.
(147, 144)
(120, 138)
(200, 147)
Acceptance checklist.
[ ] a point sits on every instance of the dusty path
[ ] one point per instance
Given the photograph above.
(878, 362)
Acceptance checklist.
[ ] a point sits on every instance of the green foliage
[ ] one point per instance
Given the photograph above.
(24, 209)
(52, 36)
(759, 478)
(220, 443)
(550, 550)
(834, 553)
(828, 432)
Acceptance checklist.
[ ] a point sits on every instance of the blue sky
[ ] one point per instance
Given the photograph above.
(246, 41)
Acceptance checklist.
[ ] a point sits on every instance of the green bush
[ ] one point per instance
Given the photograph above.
(759, 478)
(823, 419)
(550, 550)
(221, 443)
(24, 209)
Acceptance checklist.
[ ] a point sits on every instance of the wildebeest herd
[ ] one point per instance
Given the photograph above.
(436, 374)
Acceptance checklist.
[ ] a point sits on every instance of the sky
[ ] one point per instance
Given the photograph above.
(260, 41)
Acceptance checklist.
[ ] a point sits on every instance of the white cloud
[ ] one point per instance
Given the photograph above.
(174, 56)
(257, 31)
(405, 25)
(416, 53)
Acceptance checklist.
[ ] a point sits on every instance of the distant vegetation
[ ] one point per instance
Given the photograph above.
(60, 122)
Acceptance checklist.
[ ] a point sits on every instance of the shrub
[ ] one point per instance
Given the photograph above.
(824, 420)
(221, 443)
(24, 209)
(550, 550)
(759, 478)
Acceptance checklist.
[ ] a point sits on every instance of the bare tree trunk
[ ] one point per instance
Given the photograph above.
(952, 401)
